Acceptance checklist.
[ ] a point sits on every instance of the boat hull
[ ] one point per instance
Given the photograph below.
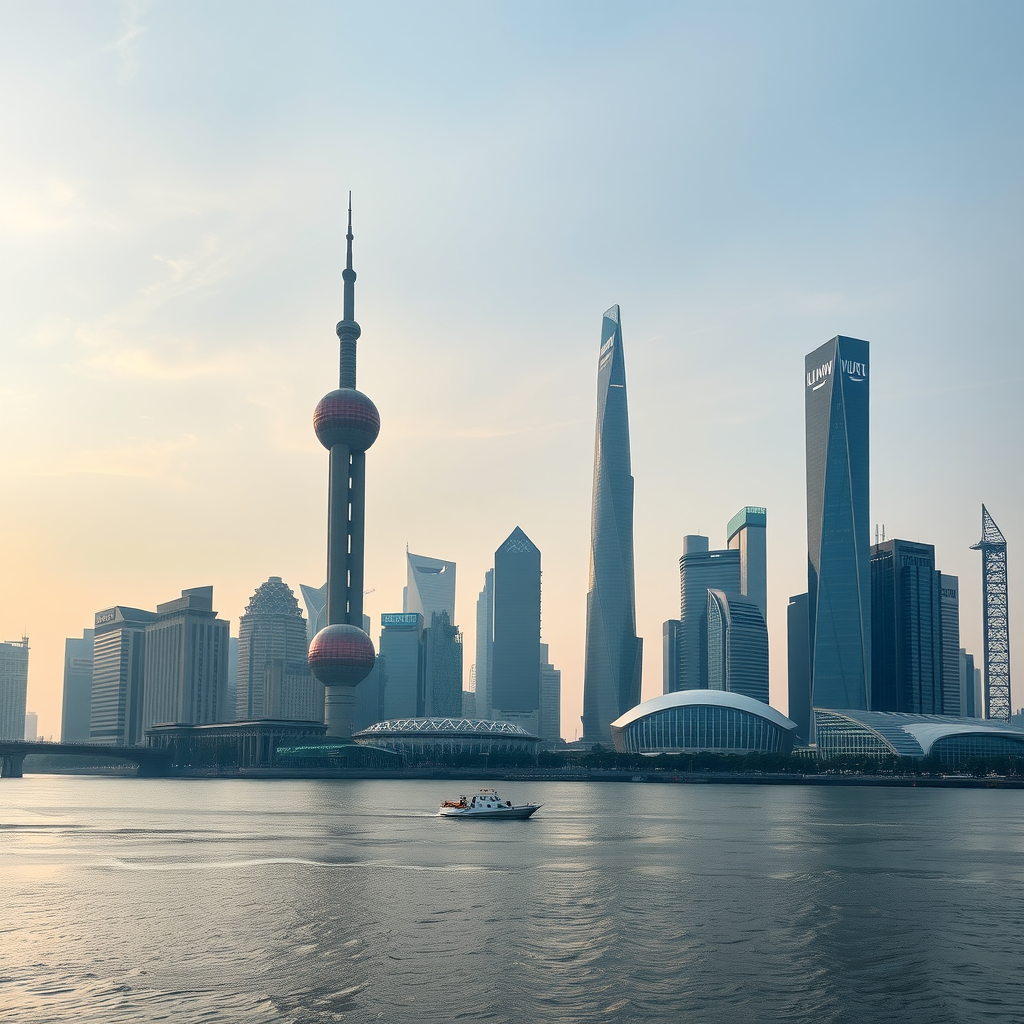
(509, 813)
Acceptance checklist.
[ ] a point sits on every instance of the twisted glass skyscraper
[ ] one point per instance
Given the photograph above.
(838, 531)
(611, 680)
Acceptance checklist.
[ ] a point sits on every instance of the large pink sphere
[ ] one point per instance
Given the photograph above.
(341, 655)
(346, 416)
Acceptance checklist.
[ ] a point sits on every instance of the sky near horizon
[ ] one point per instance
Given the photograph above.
(746, 180)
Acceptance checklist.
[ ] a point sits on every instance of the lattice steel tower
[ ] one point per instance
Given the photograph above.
(996, 618)
(346, 422)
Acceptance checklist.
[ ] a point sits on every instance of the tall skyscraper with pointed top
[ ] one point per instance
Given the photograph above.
(614, 654)
(838, 533)
(347, 423)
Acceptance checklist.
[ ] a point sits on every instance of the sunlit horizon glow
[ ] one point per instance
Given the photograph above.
(746, 181)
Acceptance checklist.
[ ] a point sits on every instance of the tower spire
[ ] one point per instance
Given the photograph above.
(348, 329)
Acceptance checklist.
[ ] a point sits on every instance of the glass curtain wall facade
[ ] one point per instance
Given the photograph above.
(906, 617)
(614, 653)
(737, 645)
(838, 531)
(698, 728)
(747, 533)
(949, 603)
(700, 570)
(403, 649)
(515, 685)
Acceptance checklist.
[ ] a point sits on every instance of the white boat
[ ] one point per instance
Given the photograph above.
(486, 804)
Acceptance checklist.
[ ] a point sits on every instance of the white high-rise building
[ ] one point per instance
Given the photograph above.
(430, 586)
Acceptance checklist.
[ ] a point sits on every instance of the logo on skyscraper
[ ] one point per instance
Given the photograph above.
(818, 377)
(856, 372)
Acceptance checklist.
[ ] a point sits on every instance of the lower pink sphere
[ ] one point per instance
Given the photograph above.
(341, 655)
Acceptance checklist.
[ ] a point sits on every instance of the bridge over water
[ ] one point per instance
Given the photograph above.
(152, 762)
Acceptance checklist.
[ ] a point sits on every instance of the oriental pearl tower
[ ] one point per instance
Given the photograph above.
(341, 655)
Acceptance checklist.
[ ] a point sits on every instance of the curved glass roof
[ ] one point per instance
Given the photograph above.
(462, 726)
(705, 698)
(914, 735)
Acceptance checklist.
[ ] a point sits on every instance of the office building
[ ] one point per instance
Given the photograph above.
(315, 600)
(430, 586)
(949, 606)
(231, 703)
(274, 680)
(747, 533)
(838, 531)
(799, 666)
(550, 700)
(671, 639)
(614, 653)
(906, 629)
(485, 646)
(443, 677)
(31, 726)
(13, 688)
(77, 704)
(404, 653)
(515, 685)
(118, 666)
(700, 570)
(698, 721)
(186, 663)
(347, 423)
(737, 645)
(970, 691)
(369, 707)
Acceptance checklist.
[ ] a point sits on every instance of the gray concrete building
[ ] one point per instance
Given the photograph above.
(186, 663)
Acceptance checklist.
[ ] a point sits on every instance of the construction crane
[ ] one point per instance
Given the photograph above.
(995, 618)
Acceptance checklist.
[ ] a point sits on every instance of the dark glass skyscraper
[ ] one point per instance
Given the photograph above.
(515, 684)
(838, 532)
(611, 679)
(906, 629)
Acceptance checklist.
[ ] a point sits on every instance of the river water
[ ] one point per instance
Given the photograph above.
(314, 901)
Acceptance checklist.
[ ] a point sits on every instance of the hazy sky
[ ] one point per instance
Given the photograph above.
(746, 179)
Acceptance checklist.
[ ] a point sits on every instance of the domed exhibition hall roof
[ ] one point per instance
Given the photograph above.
(690, 721)
(444, 727)
(705, 698)
(905, 734)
